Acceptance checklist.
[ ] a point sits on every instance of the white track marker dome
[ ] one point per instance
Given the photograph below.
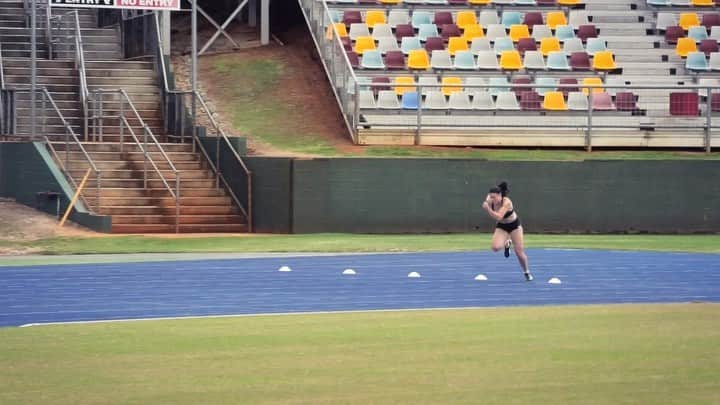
(414, 274)
(349, 272)
(481, 277)
(554, 280)
(285, 269)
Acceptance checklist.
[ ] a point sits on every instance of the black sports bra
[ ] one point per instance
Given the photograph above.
(507, 214)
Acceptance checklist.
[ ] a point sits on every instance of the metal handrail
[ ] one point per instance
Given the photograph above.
(79, 55)
(247, 211)
(80, 66)
(70, 136)
(97, 96)
(48, 30)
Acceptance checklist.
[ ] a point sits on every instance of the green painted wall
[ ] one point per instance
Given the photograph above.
(433, 195)
(27, 169)
(272, 194)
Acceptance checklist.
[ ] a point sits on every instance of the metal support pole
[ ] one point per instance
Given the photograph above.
(194, 67)
(217, 160)
(252, 13)
(419, 115)
(264, 22)
(145, 159)
(165, 30)
(708, 124)
(588, 133)
(33, 66)
(122, 123)
(177, 202)
(100, 114)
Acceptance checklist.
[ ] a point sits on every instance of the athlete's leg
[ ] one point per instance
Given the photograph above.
(518, 237)
(499, 239)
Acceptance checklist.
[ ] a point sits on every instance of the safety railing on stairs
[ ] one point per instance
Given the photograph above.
(179, 122)
(60, 27)
(7, 104)
(71, 141)
(115, 104)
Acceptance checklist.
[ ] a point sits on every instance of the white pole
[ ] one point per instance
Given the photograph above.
(264, 22)
(165, 29)
(33, 67)
(194, 59)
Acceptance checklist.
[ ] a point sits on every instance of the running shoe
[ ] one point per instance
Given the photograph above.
(508, 244)
(528, 276)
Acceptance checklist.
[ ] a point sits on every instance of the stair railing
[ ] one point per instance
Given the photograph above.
(175, 98)
(71, 139)
(59, 30)
(100, 112)
(7, 104)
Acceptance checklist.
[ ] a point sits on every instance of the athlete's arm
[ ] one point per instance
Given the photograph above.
(499, 214)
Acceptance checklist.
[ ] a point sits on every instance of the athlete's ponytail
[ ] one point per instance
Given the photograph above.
(501, 189)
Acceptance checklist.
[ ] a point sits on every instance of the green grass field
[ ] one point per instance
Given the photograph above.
(632, 354)
(335, 243)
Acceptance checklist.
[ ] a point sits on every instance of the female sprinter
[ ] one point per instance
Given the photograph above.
(508, 230)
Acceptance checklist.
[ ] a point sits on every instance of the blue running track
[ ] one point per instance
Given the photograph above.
(66, 293)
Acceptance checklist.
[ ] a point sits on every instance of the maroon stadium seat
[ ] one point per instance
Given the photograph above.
(710, 20)
(352, 17)
(533, 18)
(567, 81)
(587, 31)
(580, 61)
(394, 60)
(625, 101)
(526, 44)
(709, 46)
(684, 104)
(404, 30)
(673, 33)
(442, 18)
(520, 81)
(380, 80)
(450, 30)
(434, 44)
(354, 59)
(530, 101)
(715, 103)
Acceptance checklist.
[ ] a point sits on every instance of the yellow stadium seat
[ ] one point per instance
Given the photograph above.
(465, 18)
(403, 84)
(555, 18)
(554, 101)
(341, 30)
(703, 3)
(519, 31)
(373, 17)
(685, 46)
(510, 60)
(418, 59)
(473, 31)
(549, 44)
(604, 60)
(451, 80)
(569, 2)
(688, 20)
(456, 44)
(363, 44)
(592, 81)
(479, 2)
(390, 1)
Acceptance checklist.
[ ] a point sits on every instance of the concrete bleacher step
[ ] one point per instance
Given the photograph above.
(184, 228)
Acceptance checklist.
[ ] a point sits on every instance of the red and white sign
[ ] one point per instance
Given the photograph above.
(119, 4)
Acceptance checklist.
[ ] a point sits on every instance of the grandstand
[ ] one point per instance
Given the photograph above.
(545, 73)
(107, 115)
